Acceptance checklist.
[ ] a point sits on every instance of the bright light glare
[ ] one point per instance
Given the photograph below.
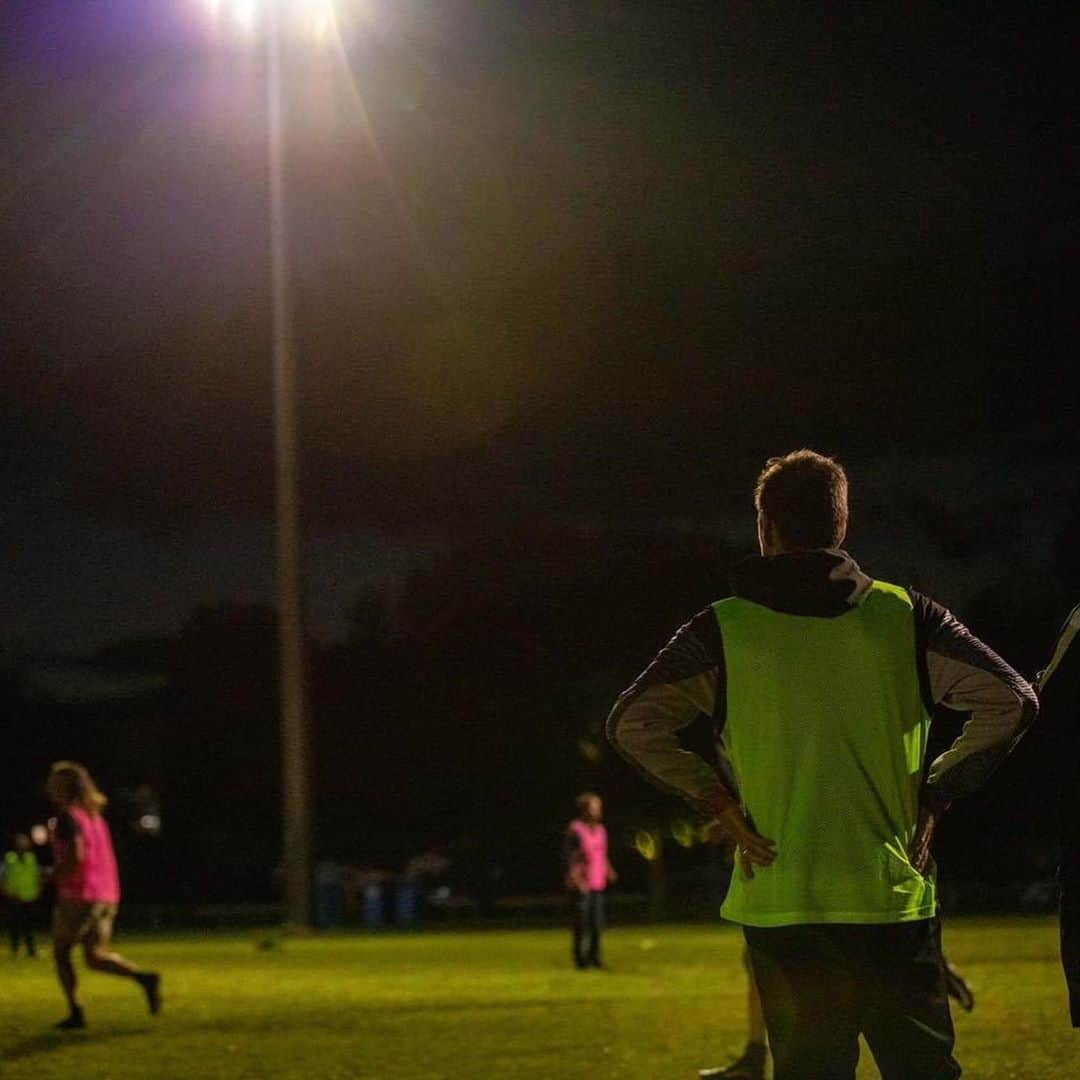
(316, 18)
(313, 20)
(321, 26)
(245, 13)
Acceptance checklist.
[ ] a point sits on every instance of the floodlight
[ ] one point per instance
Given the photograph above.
(313, 19)
(245, 13)
(320, 25)
(310, 20)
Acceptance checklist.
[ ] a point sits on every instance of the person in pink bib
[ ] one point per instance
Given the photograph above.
(87, 889)
(588, 874)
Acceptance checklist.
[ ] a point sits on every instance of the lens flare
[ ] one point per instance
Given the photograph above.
(683, 833)
(647, 844)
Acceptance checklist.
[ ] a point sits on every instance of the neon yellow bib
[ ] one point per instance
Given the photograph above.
(22, 879)
(826, 731)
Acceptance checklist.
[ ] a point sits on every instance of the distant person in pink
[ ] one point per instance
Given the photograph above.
(87, 889)
(588, 874)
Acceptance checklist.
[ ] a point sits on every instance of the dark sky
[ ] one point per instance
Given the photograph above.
(552, 259)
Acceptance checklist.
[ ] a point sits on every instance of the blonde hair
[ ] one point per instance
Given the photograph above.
(74, 784)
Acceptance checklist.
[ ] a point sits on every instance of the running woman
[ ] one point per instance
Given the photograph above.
(87, 889)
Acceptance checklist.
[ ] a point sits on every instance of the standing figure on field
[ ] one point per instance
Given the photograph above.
(588, 874)
(87, 889)
(1059, 689)
(821, 682)
(22, 888)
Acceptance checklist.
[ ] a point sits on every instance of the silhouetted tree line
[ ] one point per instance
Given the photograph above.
(463, 717)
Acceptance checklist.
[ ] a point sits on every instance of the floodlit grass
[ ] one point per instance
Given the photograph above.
(482, 1006)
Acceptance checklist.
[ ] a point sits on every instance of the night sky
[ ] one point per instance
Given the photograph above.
(550, 261)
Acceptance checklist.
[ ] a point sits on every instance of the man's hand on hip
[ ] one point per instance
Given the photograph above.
(924, 835)
(751, 848)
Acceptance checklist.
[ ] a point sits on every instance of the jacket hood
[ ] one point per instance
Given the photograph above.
(823, 582)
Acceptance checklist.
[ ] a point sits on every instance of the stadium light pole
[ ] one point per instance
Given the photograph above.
(295, 735)
(269, 21)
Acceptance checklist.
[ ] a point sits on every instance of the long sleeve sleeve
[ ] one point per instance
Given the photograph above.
(681, 683)
(962, 673)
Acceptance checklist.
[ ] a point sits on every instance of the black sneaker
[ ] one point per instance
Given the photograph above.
(750, 1066)
(73, 1022)
(151, 984)
(958, 988)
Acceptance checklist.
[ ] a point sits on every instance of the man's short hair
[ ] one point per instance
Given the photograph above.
(804, 495)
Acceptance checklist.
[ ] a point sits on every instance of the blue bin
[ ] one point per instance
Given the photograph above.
(405, 903)
(373, 907)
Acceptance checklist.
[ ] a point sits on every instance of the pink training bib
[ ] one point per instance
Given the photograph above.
(95, 880)
(594, 851)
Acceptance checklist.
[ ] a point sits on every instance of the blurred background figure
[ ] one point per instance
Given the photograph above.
(588, 874)
(87, 889)
(21, 886)
(1059, 689)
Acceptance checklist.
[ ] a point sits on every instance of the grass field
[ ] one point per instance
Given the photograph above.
(483, 1006)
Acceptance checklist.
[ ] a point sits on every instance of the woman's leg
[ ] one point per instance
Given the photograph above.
(99, 958)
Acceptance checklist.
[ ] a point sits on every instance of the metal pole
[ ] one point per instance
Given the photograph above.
(295, 750)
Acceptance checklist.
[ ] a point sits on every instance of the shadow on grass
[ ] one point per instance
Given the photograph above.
(45, 1042)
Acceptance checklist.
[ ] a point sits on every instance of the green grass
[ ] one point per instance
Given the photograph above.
(483, 1005)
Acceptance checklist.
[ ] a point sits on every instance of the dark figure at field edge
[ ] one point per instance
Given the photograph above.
(1059, 689)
